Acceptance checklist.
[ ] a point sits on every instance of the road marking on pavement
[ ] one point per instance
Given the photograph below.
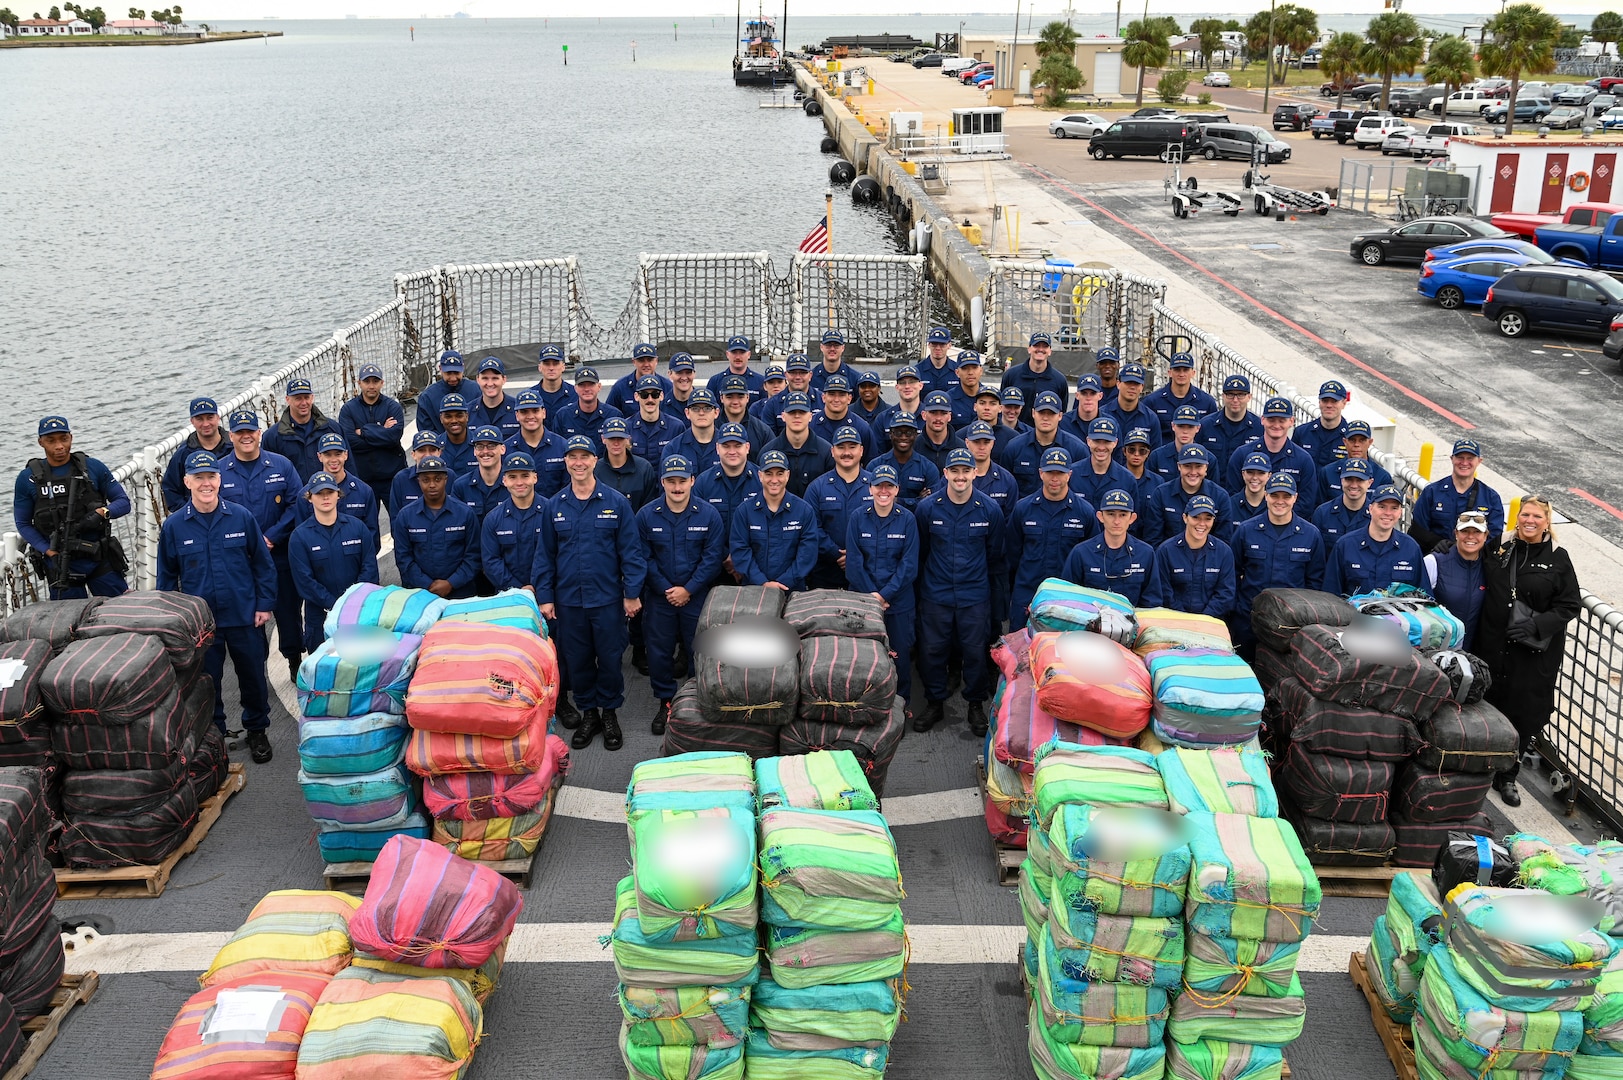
(1413, 395)
(590, 804)
(1602, 503)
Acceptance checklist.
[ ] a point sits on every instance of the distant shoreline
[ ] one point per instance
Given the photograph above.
(53, 41)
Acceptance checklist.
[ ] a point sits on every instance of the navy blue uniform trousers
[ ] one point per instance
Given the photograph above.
(969, 627)
(592, 642)
(900, 627)
(247, 647)
(664, 625)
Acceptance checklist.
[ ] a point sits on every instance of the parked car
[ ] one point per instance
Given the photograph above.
(1241, 141)
(1409, 242)
(1364, 91)
(1599, 245)
(1534, 89)
(1608, 83)
(1152, 111)
(1348, 122)
(1578, 95)
(911, 55)
(1431, 140)
(1582, 213)
(1600, 103)
(1077, 126)
(1372, 131)
(1332, 88)
(1145, 137)
(1310, 58)
(1414, 102)
(970, 72)
(1489, 245)
(1498, 87)
(1216, 78)
(1566, 116)
(1611, 119)
(1453, 283)
(1613, 348)
(1204, 118)
(1464, 103)
(983, 78)
(1293, 116)
(955, 67)
(1526, 109)
(1564, 298)
(1400, 141)
(932, 59)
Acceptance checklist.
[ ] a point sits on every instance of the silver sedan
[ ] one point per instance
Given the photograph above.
(1077, 126)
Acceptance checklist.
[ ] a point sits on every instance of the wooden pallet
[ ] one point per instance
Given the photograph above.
(147, 882)
(42, 1029)
(351, 877)
(1006, 857)
(1363, 881)
(1397, 1038)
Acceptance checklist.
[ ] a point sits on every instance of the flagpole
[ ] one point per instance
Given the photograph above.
(828, 267)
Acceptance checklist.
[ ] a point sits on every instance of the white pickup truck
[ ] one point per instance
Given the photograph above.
(1432, 139)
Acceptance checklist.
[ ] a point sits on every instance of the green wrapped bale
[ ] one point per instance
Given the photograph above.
(1095, 1013)
(699, 780)
(1551, 964)
(1100, 775)
(828, 868)
(1264, 1021)
(764, 1061)
(821, 780)
(1034, 898)
(1217, 1059)
(1219, 968)
(1085, 945)
(803, 956)
(715, 1016)
(861, 1014)
(1483, 1036)
(1395, 983)
(1250, 879)
(675, 959)
(681, 1062)
(1052, 1060)
(694, 871)
(1226, 780)
(1603, 1020)
(1594, 1067)
(1083, 839)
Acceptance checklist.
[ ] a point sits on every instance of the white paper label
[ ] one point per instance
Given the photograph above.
(11, 672)
(241, 1012)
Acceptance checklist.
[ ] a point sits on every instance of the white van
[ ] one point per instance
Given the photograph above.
(1465, 103)
(957, 64)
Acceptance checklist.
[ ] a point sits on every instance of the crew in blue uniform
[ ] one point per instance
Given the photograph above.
(588, 573)
(644, 365)
(1129, 410)
(298, 430)
(481, 487)
(836, 414)
(329, 551)
(808, 456)
(267, 484)
(882, 559)
(833, 348)
(1185, 425)
(991, 479)
(449, 382)
(1036, 375)
(1454, 576)
(544, 448)
(1276, 550)
(554, 391)
(624, 471)
(1348, 512)
(1135, 454)
(512, 528)
(1090, 398)
(1114, 560)
(686, 543)
(1012, 406)
(1252, 499)
(962, 395)
(403, 488)
(456, 449)
(213, 549)
(1043, 528)
(374, 425)
(1284, 457)
(586, 414)
(915, 475)
(1179, 392)
(1171, 501)
(1194, 570)
(961, 555)
(493, 406)
(1441, 502)
(436, 538)
(735, 409)
(355, 497)
(1107, 366)
(798, 373)
(869, 401)
(909, 391)
(935, 370)
(1024, 453)
(1322, 437)
(1099, 472)
(834, 496)
(62, 504)
(738, 363)
(1378, 555)
(936, 439)
(1224, 432)
(774, 381)
(1355, 446)
(698, 443)
(206, 435)
(729, 482)
(774, 536)
(675, 401)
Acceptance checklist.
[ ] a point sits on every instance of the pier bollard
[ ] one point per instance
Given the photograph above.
(1423, 467)
(1514, 512)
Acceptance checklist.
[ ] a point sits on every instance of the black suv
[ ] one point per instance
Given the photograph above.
(1562, 298)
(1145, 138)
(1294, 117)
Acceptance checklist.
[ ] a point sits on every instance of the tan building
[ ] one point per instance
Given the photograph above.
(1099, 59)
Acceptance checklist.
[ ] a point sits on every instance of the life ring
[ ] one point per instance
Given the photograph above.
(1578, 181)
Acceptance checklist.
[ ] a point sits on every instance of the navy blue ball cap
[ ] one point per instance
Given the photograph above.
(432, 465)
(795, 401)
(1104, 428)
(492, 363)
(1089, 383)
(528, 399)
(586, 375)
(1333, 389)
(1186, 414)
(329, 441)
(644, 351)
(701, 397)
(937, 401)
(299, 386)
(488, 433)
(1137, 437)
(1116, 499)
(1236, 384)
(1039, 337)
(1194, 455)
(1011, 395)
(649, 382)
(551, 354)
(55, 425)
(247, 420)
(732, 433)
(518, 462)
(968, 357)
(833, 337)
(1107, 355)
(884, 474)
(204, 406)
(1200, 504)
(1132, 373)
(1358, 427)
(903, 420)
(836, 384)
(1386, 493)
(1278, 406)
(847, 435)
(980, 429)
(774, 459)
(1467, 446)
(797, 362)
(1281, 481)
(580, 443)
(734, 384)
(907, 371)
(1257, 463)
(1047, 401)
(680, 362)
(1356, 468)
(321, 481)
(1056, 459)
(1181, 360)
(988, 390)
(960, 456)
(615, 428)
(451, 360)
(774, 371)
(453, 403)
(427, 438)
(738, 343)
(369, 371)
(675, 466)
(868, 378)
(201, 461)
(940, 335)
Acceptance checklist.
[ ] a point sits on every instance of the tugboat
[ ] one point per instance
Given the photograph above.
(759, 58)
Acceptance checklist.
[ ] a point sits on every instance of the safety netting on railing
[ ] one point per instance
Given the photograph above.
(879, 302)
(1088, 307)
(695, 302)
(376, 339)
(423, 320)
(513, 305)
(1586, 732)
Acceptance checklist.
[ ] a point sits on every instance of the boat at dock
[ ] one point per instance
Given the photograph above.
(759, 59)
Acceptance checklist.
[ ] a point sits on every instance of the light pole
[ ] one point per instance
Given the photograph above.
(1268, 61)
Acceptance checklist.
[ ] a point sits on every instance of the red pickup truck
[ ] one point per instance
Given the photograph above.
(1584, 213)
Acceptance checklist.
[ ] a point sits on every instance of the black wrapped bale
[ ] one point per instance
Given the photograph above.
(108, 680)
(748, 672)
(1349, 790)
(150, 742)
(22, 708)
(873, 745)
(133, 840)
(24, 816)
(34, 749)
(728, 603)
(1424, 795)
(1278, 614)
(1330, 727)
(29, 899)
(1270, 667)
(1337, 843)
(208, 766)
(120, 792)
(1419, 841)
(1467, 739)
(50, 621)
(687, 730)
(846, 680)
(1381, 671)
(182, 623)
(836, 613)
(31, 979)
(1472, 858)
(1468, 676)
(13, 1043)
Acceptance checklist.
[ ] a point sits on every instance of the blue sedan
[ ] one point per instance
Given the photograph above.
(1453, 283)
(1490, 245)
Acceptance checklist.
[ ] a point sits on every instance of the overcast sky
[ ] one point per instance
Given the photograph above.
(228, 10)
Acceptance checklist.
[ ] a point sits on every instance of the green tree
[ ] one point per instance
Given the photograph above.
(8, 18)
(1210, 32)
(1296, 27)
(1606, 29)
(1259, 42)
(1171, 86)
(1146, 48)
(55, 13)
(1057, 72)
(1571, 37)
(137, 13)
(1394, 46)
(1339, 60)
(1523, 38)
(1452, 62)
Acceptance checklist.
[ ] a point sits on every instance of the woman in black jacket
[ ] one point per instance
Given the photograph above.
(1525, 659)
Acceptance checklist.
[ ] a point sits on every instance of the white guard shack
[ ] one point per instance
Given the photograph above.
(1526, 174)
(979, 130)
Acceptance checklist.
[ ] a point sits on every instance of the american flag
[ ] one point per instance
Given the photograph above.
(816, 242)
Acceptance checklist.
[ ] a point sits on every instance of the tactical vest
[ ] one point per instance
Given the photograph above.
(51, 494)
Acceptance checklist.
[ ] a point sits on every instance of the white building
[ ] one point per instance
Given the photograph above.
(46, 27)
(135, 27)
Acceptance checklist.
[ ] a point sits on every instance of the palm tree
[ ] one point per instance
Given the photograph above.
(1056, 38)
(1057, 70)
(1452, 63)
(1210, 32)
(1394, 45)
(1258, 41)
(1296, 28)
(1524, 37)
(1607, 28)
(1146, 48)
(1339, 60)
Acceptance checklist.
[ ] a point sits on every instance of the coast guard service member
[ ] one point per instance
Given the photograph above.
(935, 370)
(1349, 510)
(622, 470)
(586, 414)
(675, 402)
(917, 476)
(1224, 432)
(1275, 550)
(374, 425)
(436, 538)
(1441, 502)
(735, 409)
(213, 549)
(991, 479)
(644, 365)
(481, 487)
(544, 448)
(329, 551)
(1194, 570)
(456, 447)
(555, 393)
(1090, 398)
(1036, 375)
(1023, 454)
(834, 496)
(698, 443)
(738, 363)
(774, 534)
(1355, 446)
(1377, 555)
(833, 346)
(1285, 458)
(40, 503)
(1322, 438)
(936, 439)
(403, 488)
(1171, 500)
(1114, 560)
(652, 428)
(449, 382)
(869, 403)
(355, 496)
(1179, 392)
(1099, 471)
(726, 485)
(882, 559)
(297, 432)
(494, 405)
(206, 435)
(836, 414)
(268, 485)
(1043, 528)
(1129, 410)
(806, 455)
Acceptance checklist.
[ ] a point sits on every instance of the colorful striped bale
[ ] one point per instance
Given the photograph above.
(1086, 679)
(425, 906)
(288, 930)
(1250, 879)
(1215, 969)
(360, 671)
(695, 870)
(1264, 1021)
(481, 796)
(1022, 727)
(1481, 1035)
(828, 868)
(1091, 873)
(681, 1062)
(677, 956)
(367, 800)
(364, 845)
(1204, 697)
(342, 745)
(824, 1017)
(1217, 1059)
(384, 607)
(375, 1023)
(473, 679)
(1054, 1060)
(441, 753)
(1060, 605)
(1603, 1020)
(715, 1016)
(1083, 945)
(515, 608)
(821, 780)
(804, 956)
(1559, 971)
(1426, 623)
(1166, 628)
(1229, 780)
(764, 1060)
(195, 1048)
(1101, 775)
(491, 839)
(1095, 1013)
(692, 781)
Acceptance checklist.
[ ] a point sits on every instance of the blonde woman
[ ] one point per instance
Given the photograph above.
(1532, 593)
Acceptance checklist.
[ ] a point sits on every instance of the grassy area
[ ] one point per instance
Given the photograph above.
(61, 42)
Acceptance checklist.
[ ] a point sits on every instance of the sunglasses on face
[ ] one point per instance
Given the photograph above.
(649, 395)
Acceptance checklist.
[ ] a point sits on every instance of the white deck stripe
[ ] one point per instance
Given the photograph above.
(577, 943)
(935, 806)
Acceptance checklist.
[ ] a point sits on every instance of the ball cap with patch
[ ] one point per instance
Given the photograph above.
(201, 461)
(940, 335)
(833, 337)
(903, 420)
(937, 401)
(774, 371)
(837, 384)
(884, 474)
(701, 397)
(1257, 463)
(299, 386)
(1194, 455)
(1137, 437)
(1386, 493)
(1132, 373)
(907, 371)
(1089, 383)
(329, 441)
(492, 363)
(980, 429)
(1333, 390)
(960, 456)
(1282, 481)
(370, 371)
(1039, 337)
(675, 466)
(868, 378)
(528, 399)
(1356, 467)
(1012, 396)
(1181, 360)
(1358, 427)
(427, 438)
(680, 362)
(551, 354)
(1186, 414)
(451, 360)
(968, 358)
(1236, 384)
(586, 375)
(644, 351)
(847, 435)
(614, 428)
(1047, 401)
(58, 425)
(488, 433)
(732, 384)
(1116, 499)
(1201, 504)
(518, 462)
(204, 406)
(649, 382)
(1107, 355)
(797, 362)
(795, 401)
(1278, 406)
(453, 403)
(1104, 428)
(321, 481)
(1056, 459)
(738, 343)
(247, 420)
(774, 459)
(432, 465)
(580, 443)
(732, 433)
(1467, 446)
